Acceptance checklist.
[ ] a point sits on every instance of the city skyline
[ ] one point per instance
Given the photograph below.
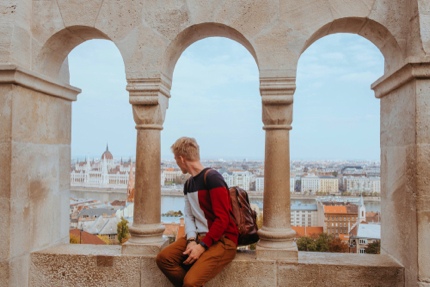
(335, 117)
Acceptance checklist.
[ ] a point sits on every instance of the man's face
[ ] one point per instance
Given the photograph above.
(180, 161)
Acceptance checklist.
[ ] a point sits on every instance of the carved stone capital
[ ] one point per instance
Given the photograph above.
(277, 99)
(150, 100)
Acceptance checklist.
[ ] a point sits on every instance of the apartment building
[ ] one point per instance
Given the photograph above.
(239, 178)
(313, 183)
(362, 184)
(304, 214)
(328, 184)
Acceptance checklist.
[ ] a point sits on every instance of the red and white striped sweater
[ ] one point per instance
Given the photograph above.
(208, 208)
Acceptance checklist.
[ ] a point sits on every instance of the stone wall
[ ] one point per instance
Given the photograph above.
(87, 265)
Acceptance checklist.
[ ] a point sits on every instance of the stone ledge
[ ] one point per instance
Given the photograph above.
(11, 74)
(97, 265)
(411, 71)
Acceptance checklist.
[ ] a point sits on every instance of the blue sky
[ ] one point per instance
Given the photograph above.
(215, 98)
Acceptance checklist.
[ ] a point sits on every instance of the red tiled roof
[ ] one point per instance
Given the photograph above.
(86, 238)
(344, 237)
(307, 230)
(118, 203)
(336, 209)
(373, 216)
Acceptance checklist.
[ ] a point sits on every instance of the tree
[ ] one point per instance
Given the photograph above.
(122, 231)
(306, 243)
(321, 243)
(373, 248)
(74, 239)
(337, 245)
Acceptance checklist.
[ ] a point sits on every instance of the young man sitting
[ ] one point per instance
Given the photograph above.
(211, 234)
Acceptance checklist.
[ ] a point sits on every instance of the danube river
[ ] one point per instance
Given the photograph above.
(175, 202)
(172, 199)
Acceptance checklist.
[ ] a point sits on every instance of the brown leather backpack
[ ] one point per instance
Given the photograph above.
(244, 216)
(242, 213)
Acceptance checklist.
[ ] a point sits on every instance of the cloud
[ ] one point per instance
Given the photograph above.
(215, 98)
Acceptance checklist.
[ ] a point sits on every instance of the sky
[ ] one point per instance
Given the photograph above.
(215, 98)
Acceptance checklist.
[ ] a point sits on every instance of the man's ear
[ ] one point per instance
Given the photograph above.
(182, 159)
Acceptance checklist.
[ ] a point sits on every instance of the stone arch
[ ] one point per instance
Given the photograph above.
(198, 32)
(53, 54)
(373, 31)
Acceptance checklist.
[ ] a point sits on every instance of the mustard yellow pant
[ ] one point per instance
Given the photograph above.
(211, 262)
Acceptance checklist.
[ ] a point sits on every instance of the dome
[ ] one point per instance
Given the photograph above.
(107, 155)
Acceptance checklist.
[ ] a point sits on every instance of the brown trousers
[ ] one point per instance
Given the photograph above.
(211, 262)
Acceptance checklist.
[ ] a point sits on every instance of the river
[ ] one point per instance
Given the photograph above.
(176, 203)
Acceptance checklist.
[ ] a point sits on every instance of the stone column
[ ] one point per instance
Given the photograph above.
(276, 235)
(405, 169)
(35, 133)
(149, 98)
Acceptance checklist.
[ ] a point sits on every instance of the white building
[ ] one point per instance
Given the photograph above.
(106, 172)
(259, 184)
(238, 178)
(366, 233)
(310, 183)
(329, 184)
(304, 214)
(362, 184)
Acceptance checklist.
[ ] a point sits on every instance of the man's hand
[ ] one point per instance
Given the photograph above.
(194, 251)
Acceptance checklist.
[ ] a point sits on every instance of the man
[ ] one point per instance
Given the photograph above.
(211, 234)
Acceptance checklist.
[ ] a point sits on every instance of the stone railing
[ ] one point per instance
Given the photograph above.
(94, 265)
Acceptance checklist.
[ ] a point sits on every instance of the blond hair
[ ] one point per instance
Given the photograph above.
(187, 148)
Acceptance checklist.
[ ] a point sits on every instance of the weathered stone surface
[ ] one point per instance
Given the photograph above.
(5, 226)
(167, 18)
(360, 8)
(84, 265)
(400, 104)
(5, 113)
(79, 12)
(135, 52)
(423, 111)
(118, 18)
(39, 118)
(399, 193)
(41, 29)
(253, 272)
(249, 17)
(4, 273)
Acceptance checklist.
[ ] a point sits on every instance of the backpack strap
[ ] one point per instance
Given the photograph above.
(204, 176)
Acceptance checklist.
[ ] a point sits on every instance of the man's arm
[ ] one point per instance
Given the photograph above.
(190, 225)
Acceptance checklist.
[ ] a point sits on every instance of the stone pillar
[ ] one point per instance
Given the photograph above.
(405, 169)
(149, 98)
(35, 134)
(276, 235)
